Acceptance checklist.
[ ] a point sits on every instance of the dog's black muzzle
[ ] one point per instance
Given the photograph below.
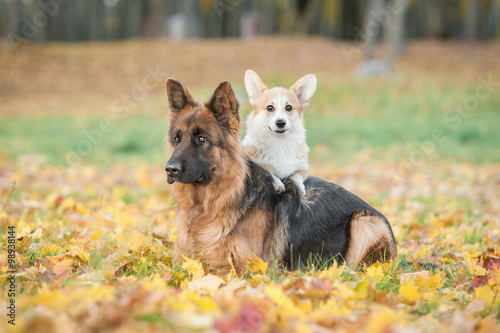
(173, 170)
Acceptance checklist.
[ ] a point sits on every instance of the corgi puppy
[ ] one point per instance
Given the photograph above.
(276, 136)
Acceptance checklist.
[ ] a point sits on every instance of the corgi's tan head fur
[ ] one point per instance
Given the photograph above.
(279, 108)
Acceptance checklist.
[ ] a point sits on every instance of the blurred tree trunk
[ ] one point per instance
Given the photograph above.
(330, 17)
(350, 18)
(72, 23)
(154, 19)
(231, 21)
(10, 15)
(309, 17)
(435, 21)
(212, 15)
(472, 19)
(269, 13)
(396, 29)
(94, 19)
(372, 28)
(130, 12)
(492, 24)
(289, 18)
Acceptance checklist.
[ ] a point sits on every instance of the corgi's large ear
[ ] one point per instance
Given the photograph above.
(254, 85)
(304, 88)
(224, 106)
(178, 96)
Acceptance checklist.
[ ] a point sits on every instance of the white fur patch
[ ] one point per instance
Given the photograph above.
(281, 150)
(281, 154)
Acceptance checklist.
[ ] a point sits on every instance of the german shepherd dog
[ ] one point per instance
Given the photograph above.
(228, 208)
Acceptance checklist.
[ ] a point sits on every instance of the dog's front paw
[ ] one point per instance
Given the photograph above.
(278, 185)
(301, 187)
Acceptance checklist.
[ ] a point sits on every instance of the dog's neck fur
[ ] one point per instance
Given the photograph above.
(213, 201)
(214, 194)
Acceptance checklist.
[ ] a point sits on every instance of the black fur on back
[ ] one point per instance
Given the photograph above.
(318, 224)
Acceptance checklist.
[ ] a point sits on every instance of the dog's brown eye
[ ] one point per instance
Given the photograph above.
(177, 139)
(202, 139)
(270, 108)
(288, 108)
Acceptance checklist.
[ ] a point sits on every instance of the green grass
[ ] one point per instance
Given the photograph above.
(346, 116)
(60, 139)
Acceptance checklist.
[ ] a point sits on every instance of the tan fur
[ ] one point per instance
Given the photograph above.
(370, 240)
(209, 217)
(269, 94)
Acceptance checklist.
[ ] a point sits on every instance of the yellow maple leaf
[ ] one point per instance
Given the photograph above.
(67, 203)
(430, 296)
(334, 272)
(327, 313)
(486, 294)
(423, 252)
(24, 232)
(96, 235)
(430, 283)
(382, 319)
(375, 272)
(283, 302)
(204, 303)
(409, 292)
(51, 298)
(51, 248)
(434, 233)
(472, 255)
(495, 276)
(193, 267)
(413, 276)
(344, 291)
(256, 264)
(79, 253)
(58, 264)
(450, 295)
(474, 269)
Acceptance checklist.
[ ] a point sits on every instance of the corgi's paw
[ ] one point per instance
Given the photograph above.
(278, 185)
(301, 187)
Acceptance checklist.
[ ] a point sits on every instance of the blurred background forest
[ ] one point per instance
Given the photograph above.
(64, 20)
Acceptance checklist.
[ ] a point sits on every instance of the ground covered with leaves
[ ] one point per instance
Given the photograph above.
(94, 247)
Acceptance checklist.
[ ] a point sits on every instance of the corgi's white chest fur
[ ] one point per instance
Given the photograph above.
(281, 154)
(276, 136)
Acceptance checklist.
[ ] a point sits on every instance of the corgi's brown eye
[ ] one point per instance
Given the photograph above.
(201, 139)
(288, 108)
(270, 108)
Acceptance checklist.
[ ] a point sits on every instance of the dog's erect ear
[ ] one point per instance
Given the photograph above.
(178, 96)
(304, 88)
(254, 85)
(224, 105)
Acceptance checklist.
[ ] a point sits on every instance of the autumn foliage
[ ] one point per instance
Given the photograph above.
(94, 252)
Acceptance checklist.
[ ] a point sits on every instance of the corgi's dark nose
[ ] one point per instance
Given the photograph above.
(173, 169)
(280, 123)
